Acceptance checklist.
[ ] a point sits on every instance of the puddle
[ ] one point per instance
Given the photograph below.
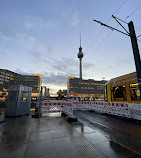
(104, 143)
(84, 129)
(55, 114)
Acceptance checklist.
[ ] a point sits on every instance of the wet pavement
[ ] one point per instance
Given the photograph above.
(50, 136)
(114, 136)
(54, 136)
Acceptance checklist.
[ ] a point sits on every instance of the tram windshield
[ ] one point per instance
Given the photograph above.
(119, 93)
(135, 93)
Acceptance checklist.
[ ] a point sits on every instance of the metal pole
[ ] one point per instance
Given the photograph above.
(40, 99)
(135, 52)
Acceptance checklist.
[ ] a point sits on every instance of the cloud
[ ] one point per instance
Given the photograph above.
(56, 79)
(39, 24)
(75, 19)
(11, 31)
(19, 71)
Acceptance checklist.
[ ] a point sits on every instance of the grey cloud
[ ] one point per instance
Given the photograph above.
(19, 71)
(57, 79)
(89, 65)
(36, 54)
(37, 24)
(67, 65)
(64, 64)
(9, 31)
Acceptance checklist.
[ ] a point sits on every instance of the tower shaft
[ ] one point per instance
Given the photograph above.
(80, 67)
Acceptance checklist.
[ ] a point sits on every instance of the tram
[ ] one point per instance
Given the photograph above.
(123, 89)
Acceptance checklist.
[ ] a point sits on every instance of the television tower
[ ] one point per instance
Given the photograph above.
(80, 56)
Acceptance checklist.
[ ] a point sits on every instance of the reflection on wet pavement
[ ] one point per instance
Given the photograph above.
(49, 136)
(108, 140)
(110, 148)
(54, 136)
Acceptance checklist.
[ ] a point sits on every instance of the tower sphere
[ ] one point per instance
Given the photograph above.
(80, 54)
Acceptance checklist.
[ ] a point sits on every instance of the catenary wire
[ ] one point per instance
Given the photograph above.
(116, 27)
(106, 23)
(133, 12)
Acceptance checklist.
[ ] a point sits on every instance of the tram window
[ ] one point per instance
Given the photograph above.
(119, 93)
(135, 93)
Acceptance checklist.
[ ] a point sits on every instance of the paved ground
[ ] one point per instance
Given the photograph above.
(48, 137)
(54, 136)
(114, 136)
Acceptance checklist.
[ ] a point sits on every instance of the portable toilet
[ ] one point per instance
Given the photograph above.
(18, 100)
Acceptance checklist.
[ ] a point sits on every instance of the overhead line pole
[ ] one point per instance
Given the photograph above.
(134, 43)
(135, 52)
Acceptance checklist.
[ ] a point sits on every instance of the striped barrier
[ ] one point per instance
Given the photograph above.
(135, 110)
(57, 106)
(68, 109)
(113, 108)
(118, 109)
(51, 106)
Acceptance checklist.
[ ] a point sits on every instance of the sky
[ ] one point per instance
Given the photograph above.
(43, 36)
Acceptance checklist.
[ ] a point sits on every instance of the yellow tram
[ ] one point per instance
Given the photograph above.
(123, 89)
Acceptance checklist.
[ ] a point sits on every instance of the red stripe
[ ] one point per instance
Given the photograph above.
(122, 105)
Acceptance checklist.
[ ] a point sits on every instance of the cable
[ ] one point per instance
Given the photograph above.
(106, 23)
(117, 26)
(133, 12)
(120, 6)
(101, 42)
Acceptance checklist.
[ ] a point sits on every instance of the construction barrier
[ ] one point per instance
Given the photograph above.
(113, 108)
(119, 109)
(51, 106)
(116, 108)
(135, 110)
(68, 109)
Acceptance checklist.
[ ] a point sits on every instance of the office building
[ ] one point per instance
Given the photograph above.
(8, 78)
(45, 92)
(85, 88)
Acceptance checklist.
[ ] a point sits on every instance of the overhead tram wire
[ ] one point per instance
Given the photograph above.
(106, 23)
(117, 26)
(133, 12)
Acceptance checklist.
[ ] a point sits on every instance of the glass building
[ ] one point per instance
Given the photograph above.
(85, 88)
(8, 78)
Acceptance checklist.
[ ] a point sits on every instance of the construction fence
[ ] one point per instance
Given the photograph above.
(127, 110)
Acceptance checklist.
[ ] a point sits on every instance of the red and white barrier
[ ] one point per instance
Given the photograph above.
(135, 110)
(113, 108)
(119, 109)
(51, 106)
(81, 105)
(68, 109)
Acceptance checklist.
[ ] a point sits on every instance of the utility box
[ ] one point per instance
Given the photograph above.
(18, 100)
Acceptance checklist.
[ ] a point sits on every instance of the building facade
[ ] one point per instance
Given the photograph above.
(85, 88)
(45, 92)
(8, 78)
